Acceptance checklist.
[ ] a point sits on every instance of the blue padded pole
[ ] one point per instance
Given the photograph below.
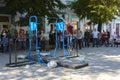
(33, 27)
(36, 34)
(61, 27)
(30, 40)
(30, 33)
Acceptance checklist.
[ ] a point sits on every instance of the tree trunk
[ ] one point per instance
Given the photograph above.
(99, 26)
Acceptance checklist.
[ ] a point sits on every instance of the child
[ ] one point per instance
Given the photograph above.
(4, 43)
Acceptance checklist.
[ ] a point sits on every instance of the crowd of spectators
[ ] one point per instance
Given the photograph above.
(75, 39)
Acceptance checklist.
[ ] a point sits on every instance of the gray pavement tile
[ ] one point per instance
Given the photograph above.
(104, 64)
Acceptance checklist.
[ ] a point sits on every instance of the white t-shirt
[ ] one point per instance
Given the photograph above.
(95, 34)
(114, 36)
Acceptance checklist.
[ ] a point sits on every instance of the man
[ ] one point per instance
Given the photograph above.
(79, 39)
(70, 28)
(108, 34)
(95, 34)
(87, 38)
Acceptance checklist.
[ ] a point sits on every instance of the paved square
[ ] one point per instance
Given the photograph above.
(104, 64)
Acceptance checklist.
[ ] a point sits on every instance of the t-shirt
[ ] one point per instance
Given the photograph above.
(114, 36)
(12, 31)
(95, 34)
(79, 36)
(4, 41)
(87, 35)
(70, 29)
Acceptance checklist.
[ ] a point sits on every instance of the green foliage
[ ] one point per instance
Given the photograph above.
(97, 11)
(39, 8)
(80, 8)
(35, 7)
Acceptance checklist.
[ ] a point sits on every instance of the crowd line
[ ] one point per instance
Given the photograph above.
(77, 39)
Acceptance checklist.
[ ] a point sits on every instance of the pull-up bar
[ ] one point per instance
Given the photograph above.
(33, 27)
(60, 27)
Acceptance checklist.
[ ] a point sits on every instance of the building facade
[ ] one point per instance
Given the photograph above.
(71, 17)
(5, 17)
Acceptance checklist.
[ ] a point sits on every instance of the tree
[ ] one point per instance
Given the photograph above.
(39, 8)
(97, 11)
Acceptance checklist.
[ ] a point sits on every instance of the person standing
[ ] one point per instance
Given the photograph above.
(42, 40)
(95, 34)
(87, 38)
(70, 28)
(4, 43)
(79, 39)
(52, 39)
(2, 35)
(22, 40)
(114, 38)
(108, 38)
(105, 38)
(74, 39)
(27, 39)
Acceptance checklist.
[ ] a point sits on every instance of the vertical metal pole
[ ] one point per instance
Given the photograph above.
(63, 41)
(30, 34)
(63, 46)
(15, 53)
(9, 54)
(30, 46)
(30, 39)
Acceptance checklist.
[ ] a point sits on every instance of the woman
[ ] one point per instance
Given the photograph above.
(74, 39)
(79, 39)
(22, 39)
(42, 40)
(52, 39)
(2, 35)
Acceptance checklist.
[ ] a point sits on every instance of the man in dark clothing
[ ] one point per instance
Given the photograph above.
(87, 38)
(108, 34)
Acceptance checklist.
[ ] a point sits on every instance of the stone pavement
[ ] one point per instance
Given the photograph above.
(104, 64)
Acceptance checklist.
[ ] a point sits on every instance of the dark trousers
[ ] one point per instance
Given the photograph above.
(42, 45)
(74, 43)
(95, 42)
(106, 42)
(22, 45)
(87, 42)
(4, 48)
(79, 43)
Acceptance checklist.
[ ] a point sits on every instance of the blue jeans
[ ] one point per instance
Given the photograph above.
(87, 42)
(22, 45)
(95, 42)
(4, 48)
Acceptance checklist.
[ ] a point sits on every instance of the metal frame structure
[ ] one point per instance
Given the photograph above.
(33, 27)
(61, 26)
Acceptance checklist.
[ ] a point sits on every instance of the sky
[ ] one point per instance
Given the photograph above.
(63, 1)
